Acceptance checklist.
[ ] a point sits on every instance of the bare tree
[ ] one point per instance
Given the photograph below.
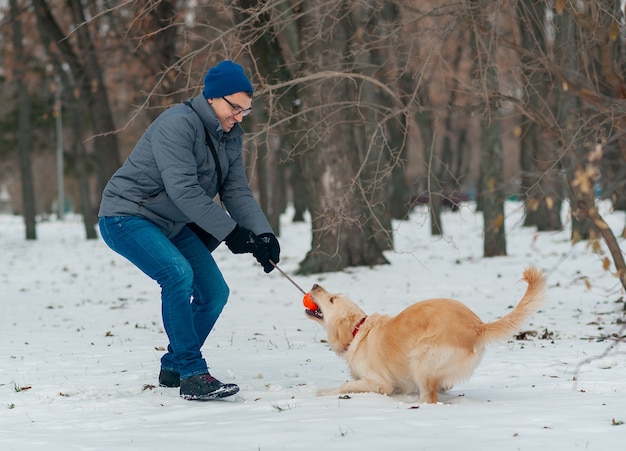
(442, 179)
(343, 216)
(272, 145)
(398, 196)
(323, 90)
(342, 87)
(152, 37)
(69, 105)
(491, 157)
(24, 128)
(585, 178)
(79, 53)
(542, 186)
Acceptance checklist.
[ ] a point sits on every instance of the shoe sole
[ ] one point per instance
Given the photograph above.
(222, 392)
(168, 385)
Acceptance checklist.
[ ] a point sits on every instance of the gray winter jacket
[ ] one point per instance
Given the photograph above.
(170, 178)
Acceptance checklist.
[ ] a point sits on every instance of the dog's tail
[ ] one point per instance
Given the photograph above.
(506, 326)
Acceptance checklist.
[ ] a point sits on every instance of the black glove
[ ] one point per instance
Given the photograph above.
(241, 241)
(267, 249)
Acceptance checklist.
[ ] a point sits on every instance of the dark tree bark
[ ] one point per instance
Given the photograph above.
(434, 186)
(491, 154)
(86, 70)
(157, 28)
(610, 53)
(333, 162)
(614, 175)
(376, 155)
(272, 149)
(568, 113)
(82, 166)
(398, 192)
(343, 220)
(298, 189)
(433, 191)
(542, 188)
(585, 179)
(24, 141)
(71, 103)
(493, 195)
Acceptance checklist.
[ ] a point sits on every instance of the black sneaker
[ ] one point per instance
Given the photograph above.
(203, 387)
(169, 378)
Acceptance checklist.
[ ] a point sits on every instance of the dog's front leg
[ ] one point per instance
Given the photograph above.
(358, 386)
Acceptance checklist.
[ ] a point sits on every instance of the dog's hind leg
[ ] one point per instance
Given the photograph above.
(359, 386)
(428, 390)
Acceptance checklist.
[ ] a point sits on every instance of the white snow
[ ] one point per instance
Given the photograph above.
(81, 337)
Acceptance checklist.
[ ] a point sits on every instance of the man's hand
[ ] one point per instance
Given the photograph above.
(241, 241)
(267, 248)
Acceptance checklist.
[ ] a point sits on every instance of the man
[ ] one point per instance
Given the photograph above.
(158, 212)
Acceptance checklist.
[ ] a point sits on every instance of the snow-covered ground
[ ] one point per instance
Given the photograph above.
(81, 337)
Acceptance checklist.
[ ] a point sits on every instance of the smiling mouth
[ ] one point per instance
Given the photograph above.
(315, 313)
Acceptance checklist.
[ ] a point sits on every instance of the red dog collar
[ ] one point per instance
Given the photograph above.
(356, 329)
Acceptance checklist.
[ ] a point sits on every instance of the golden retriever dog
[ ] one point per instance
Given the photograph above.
(427, 348)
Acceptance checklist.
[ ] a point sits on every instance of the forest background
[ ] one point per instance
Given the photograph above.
(362, 108)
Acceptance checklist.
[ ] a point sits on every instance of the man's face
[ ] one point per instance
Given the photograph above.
(239, 104)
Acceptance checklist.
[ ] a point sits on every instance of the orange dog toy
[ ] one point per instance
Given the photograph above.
(309, 303)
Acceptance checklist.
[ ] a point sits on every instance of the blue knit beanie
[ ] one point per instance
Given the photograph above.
(224, 79)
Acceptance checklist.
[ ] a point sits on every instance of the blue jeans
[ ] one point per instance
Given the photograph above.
(193, 291)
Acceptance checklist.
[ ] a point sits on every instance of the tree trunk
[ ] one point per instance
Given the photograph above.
(491, 157)
(94, 93)
(614, 176)
(400, 192)
(376, 155)
(398, 195)
(273, 148)
(491, 153)
(541, 186)
(158, 27)
(610, 54)
(24, 128)
(433, 188)
(298, 189)
(82, 166)
(449, 176)
(343, 220)
(85, 67)
(567, 111)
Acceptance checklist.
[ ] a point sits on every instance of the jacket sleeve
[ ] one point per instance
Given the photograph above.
(173, 144)
(236, 193)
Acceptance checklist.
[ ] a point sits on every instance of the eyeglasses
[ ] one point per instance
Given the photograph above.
(237, 109)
